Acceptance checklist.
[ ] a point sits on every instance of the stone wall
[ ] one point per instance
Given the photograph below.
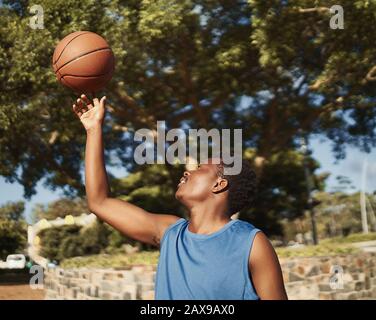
(305, 278)
(97, 284)
(313, 278)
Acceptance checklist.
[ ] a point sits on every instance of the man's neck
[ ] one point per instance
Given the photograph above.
(204, 220)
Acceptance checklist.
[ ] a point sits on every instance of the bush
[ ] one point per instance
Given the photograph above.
(12, 237)
(70, 247)
(64, 242)
(53, 239)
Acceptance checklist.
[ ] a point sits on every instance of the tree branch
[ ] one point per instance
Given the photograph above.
(371, 75)
(317, 9)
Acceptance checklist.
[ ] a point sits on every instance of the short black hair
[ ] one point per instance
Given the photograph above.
(242, 187)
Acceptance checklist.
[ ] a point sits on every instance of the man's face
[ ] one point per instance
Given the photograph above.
(197, 185)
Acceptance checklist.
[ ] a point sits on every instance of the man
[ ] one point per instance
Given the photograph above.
(209, 256)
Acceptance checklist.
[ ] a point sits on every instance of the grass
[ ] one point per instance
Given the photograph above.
(355, 237)
(112, 261)
(316, 251)
(326, 247)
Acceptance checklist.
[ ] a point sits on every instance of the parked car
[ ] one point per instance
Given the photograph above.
(3, 264)
(16, 261)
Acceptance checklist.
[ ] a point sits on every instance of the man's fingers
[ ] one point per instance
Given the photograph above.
(103, 102)
(85, 99)
(81, 105)
(77, 110)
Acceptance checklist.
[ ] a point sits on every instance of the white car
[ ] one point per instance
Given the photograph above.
(16, 261)
(3, 264)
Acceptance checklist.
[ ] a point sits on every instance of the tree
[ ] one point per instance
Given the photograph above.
(12, 237)
(59, 208)
(273, 68)
(52, 240)
(152, 187)
(12, 229)
(338, 215)
(282, 191)
(12, 211)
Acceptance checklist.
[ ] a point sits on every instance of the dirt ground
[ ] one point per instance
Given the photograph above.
(16, 287)
(20, 292)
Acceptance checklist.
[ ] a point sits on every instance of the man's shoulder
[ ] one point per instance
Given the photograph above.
(169, 222)
(245, 226)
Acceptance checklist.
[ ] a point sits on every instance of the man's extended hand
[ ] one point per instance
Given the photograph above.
(90, 113)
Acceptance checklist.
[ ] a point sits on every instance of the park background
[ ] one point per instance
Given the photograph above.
(303, 93)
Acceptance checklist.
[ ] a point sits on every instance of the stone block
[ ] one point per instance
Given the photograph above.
(96, 276)
(313, 271)
(127, 296)
(112, 275)
(325, 267)
(295, 277)
(144, 277)
(327, 296)
(94, 291)
(128, 277)
(359, 285)
(130, 289)
(300, 290)
(106, 295)
(352, 295)
(325, 287)
(148, 295)
(142, 287)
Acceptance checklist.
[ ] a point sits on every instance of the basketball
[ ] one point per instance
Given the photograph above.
(84, 62)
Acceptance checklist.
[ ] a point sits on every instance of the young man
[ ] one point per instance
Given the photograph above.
(209, 256)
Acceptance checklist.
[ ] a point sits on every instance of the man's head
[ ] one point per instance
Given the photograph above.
(209, 181)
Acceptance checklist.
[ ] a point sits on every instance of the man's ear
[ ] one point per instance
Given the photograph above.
(220, 185)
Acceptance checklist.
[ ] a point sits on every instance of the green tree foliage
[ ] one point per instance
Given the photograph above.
(273, 68)
(152, 187)
(56, 241)
(12, 211)
(337, 214)
(12, 229)
(68, 241)
(282, 191)
(59, 208)
(12, 237)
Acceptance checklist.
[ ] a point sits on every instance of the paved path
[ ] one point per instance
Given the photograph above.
(367, 246)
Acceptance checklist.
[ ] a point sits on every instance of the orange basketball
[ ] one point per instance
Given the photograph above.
(83, 61)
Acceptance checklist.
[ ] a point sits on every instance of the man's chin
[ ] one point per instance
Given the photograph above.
(179, 194)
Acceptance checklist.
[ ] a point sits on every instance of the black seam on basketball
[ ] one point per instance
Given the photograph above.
(77, 76)
(66, 83)
(85, 32)
(84, 54)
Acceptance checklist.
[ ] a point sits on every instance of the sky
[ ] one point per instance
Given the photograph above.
(350, 167)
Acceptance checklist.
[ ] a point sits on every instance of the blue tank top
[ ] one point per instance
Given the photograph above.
(205, 267)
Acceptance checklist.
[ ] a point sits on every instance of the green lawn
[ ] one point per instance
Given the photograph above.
(112, 261)
(326, 247)
(319, 250)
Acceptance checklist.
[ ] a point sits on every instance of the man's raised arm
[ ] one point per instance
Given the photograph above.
(129, 219)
